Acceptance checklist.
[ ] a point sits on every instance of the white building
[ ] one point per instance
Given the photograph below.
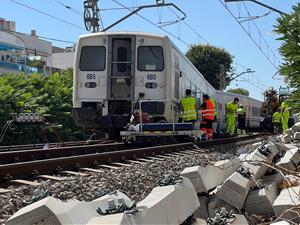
(63, 59)
(17, 49)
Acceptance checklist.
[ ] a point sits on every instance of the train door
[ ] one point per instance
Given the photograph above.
(121, 74)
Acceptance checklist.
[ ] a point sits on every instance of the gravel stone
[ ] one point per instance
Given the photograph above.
(136, 181)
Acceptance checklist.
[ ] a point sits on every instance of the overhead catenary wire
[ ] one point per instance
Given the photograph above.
(201, 37)
(149, 21)
(38, 36)
(69, 7)
(47, 14)
(190, 27)
(260, 33)
(249, 34)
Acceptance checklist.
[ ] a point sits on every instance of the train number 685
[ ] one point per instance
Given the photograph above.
(151, 76)
(91, 76)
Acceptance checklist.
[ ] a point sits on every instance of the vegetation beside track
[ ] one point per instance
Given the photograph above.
(47, 95)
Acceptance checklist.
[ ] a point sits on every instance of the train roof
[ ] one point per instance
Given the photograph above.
(235, 95)
(123, 33)
(170, 41)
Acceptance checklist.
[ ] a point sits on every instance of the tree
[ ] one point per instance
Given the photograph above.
(210, 61)
(288, 26)
(47, 95)
(240, 91)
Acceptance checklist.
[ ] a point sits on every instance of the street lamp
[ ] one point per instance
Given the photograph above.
(259, 3)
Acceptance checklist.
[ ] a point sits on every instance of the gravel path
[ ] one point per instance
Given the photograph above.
(136, 181)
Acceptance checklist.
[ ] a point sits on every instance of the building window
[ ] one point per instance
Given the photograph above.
(92, 58)
(150, 58)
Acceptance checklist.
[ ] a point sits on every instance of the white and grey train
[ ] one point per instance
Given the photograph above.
(116, 71)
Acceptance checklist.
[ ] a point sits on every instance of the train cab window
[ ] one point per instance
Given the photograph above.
(150, 58)
(92, 58)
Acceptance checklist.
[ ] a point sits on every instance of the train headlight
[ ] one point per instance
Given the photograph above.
(90, 84)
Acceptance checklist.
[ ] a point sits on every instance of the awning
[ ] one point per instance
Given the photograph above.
(7, 47)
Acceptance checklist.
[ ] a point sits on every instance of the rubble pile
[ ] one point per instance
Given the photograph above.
(264, 185)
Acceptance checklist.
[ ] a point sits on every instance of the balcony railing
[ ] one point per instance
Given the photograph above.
(18, 67)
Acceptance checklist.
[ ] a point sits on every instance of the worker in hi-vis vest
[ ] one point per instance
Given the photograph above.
(276, 121)
(285, 115)
(188, 105)
(208, 115)
(215, 122)
(241, 116)
(231, 111)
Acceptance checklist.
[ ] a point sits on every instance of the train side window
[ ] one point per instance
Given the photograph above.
(187, 85)
(194, 91)
(150, 58)
(199, 95)
(255, 111)
(92, 58)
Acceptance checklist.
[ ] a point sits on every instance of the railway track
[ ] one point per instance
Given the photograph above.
(35, 162)
(7, 148)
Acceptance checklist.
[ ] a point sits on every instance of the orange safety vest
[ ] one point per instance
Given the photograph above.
(209, 112)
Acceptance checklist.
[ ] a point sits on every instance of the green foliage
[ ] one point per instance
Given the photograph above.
(50, 95)
(36, 63)
(240, 91)
(288, 27)
(208, 60)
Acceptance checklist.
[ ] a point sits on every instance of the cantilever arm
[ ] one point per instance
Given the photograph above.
(259, 3)
(144, 7)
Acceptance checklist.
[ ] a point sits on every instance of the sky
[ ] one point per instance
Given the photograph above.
(207, 21)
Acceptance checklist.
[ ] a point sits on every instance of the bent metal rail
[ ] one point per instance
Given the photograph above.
(53, 165)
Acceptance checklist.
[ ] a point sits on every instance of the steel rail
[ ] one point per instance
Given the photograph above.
(51, 166)
(39, 154)
(6, 148)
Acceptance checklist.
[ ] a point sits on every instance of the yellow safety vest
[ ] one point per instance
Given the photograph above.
(231, 107)
(241, 112)
(284, 107)
(189, 111)
(276, 117)
(215, 107)
(285, 113)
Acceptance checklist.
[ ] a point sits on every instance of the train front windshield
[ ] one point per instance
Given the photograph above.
(92, 58)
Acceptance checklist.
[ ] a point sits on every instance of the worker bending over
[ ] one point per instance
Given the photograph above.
(241, 115)
(285, 115)
(276, 121)
(188, 105)
(231, 111)
(208, 115)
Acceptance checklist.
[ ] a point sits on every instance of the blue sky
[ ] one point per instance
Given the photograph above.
(208, 17)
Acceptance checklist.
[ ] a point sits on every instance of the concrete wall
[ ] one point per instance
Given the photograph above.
(63, 60)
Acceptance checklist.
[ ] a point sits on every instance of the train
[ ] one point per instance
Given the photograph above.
(118, 72)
